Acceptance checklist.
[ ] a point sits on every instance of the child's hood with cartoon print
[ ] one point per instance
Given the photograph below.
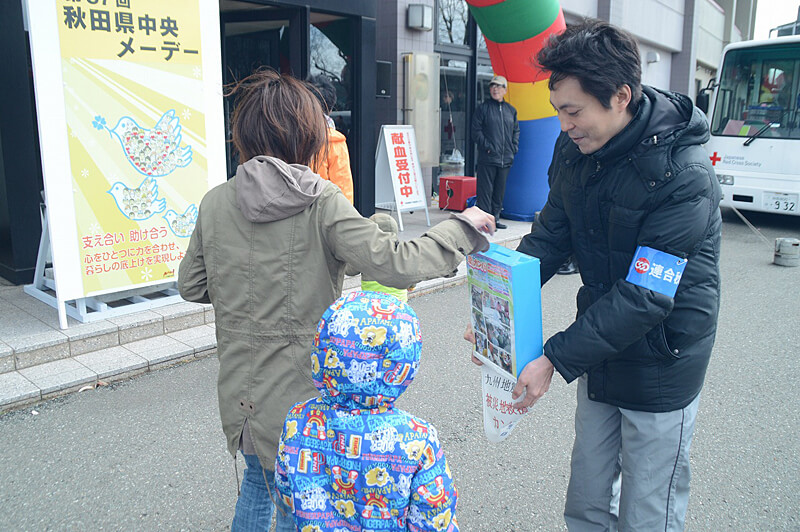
(350, 460)
(366, 352)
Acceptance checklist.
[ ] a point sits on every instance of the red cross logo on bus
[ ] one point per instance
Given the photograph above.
(715, 159)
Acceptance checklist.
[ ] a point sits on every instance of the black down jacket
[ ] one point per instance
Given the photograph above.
(496, 132)
(650, 185)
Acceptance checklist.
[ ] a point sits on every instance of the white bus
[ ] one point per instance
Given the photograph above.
(755, 125)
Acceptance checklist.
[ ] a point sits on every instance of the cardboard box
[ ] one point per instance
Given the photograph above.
(506, 308)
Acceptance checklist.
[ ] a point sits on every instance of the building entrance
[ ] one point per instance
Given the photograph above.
(301, 40)
(255, 36)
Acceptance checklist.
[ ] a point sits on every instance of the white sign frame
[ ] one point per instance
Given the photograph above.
(388, 185)
(43, 19)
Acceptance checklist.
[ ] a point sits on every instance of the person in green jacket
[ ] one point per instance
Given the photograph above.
(269, 251)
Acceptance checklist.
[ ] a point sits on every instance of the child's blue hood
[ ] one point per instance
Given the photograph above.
(366, 351)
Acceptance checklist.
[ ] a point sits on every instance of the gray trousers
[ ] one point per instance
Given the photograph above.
(629, 469)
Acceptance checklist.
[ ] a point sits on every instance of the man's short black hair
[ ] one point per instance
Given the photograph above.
(323, 89)
(600, 56)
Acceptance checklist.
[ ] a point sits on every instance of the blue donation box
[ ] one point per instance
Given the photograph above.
(506, 304)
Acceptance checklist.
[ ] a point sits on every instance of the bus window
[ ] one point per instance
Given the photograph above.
(759, 86)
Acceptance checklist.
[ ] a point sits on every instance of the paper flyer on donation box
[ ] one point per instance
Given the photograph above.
(500, 416)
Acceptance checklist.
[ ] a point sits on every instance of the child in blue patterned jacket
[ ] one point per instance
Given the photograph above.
(349, 460)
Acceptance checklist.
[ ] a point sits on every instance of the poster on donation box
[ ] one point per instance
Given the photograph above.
(129, 103)
(506, 317)
(398, 175)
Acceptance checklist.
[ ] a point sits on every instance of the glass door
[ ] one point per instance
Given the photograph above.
(454, 112)
(255, 36)
(331, 50)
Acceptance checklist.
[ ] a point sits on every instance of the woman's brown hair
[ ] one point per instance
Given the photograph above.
(277, 115)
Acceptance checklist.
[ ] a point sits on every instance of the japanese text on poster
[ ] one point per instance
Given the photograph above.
(135, 110)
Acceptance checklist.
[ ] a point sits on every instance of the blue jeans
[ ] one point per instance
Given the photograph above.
(254, 507)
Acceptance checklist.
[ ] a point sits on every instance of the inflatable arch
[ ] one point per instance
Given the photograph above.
(515, 31)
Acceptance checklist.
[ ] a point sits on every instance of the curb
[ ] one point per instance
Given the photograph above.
(89, 370)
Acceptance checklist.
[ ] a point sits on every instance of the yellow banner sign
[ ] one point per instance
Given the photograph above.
(134, 98)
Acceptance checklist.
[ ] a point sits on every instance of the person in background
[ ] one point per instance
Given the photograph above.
(766, 95)
(569, 267)
(634, 198)
(335, 167)
(269, 250)
(496, 132)
(787, 102)
(348, 458)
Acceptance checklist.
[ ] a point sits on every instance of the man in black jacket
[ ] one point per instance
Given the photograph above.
(634, 198)
(496, 132)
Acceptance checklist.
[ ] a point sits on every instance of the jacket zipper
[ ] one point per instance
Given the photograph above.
(503, 145)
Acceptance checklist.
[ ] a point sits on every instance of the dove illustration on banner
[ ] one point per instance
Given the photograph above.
(153, 152)
(138, 203)
(182, 224)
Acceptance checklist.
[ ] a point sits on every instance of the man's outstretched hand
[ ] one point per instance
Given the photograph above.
(534, 380)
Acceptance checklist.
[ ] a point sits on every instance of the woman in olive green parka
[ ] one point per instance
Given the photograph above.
(269, 252)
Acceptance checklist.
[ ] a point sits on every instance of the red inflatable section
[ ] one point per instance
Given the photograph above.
(484, 3)
(517, 60)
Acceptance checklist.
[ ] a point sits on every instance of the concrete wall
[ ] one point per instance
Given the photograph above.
(656, 73)
(687, 34)
(744, 18)
(710, 33)
(409, 41)
(579, 8)
(393, 40)
(659, 22)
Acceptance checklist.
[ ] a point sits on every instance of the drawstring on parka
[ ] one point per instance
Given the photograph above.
(263, 473)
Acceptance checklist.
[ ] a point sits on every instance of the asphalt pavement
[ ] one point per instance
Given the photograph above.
(148, 453)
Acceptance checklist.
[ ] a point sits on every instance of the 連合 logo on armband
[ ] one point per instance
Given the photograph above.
(656, 270)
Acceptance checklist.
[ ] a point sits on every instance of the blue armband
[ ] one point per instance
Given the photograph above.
(656, 270)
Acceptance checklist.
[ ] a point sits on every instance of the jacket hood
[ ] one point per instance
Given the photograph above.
(334, 135)
(674, 115)
(666, 118)
(366, 351)
(268, 189)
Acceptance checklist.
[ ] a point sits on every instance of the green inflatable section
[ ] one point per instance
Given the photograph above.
(515, 20)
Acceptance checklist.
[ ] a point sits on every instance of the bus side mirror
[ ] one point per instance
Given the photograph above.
(702, 101)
